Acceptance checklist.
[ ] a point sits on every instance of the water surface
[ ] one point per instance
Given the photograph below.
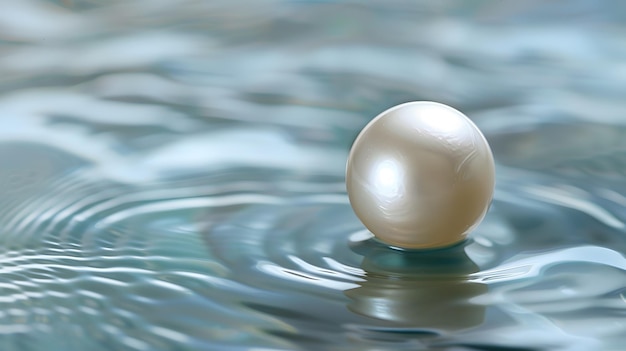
(173, 175)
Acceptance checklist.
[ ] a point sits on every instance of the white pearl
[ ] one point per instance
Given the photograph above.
(420, 175)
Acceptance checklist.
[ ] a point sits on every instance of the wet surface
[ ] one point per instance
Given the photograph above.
(173, 175)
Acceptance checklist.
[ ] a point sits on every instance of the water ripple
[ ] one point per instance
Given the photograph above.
(172, 176)
(190, 261)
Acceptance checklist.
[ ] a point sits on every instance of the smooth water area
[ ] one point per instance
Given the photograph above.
(172, 175)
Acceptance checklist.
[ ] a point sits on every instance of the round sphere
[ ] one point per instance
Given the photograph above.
(420, 175)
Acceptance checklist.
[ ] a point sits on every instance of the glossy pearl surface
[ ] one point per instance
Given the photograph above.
(420, 175)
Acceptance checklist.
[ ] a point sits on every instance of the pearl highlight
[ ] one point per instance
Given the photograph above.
(420, 175)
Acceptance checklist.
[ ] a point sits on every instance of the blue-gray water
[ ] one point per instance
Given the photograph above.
(172, 175)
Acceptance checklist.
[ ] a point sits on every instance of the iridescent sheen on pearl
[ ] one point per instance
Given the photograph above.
(420, 175)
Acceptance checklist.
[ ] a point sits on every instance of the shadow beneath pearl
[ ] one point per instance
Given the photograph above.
(421, 289)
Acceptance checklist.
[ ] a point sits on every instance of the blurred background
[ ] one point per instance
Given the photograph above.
(171, 174)
(132, 80)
